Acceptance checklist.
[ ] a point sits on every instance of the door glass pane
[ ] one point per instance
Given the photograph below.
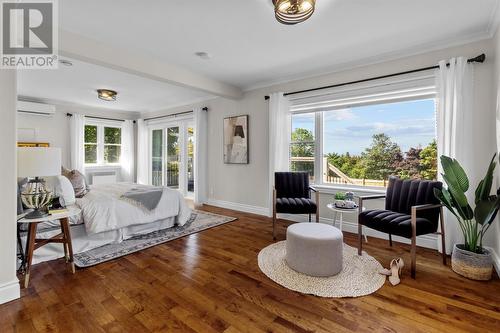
(190, 162)
(173, 157)
(157, 160)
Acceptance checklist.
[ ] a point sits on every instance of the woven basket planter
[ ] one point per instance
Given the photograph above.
(472, 265)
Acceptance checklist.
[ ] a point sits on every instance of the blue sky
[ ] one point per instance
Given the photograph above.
(409, 124)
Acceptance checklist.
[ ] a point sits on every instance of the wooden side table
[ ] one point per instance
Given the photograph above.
(64, 238)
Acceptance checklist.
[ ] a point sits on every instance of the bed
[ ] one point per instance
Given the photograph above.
(112, 213)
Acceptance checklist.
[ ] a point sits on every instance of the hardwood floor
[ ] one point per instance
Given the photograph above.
(210, 282)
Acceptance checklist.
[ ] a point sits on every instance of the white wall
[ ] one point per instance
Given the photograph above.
(9, 285)
(493, 236)
(55, 129)
(245, 186)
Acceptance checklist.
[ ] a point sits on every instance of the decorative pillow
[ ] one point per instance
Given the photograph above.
(61, 186)
(77, 180)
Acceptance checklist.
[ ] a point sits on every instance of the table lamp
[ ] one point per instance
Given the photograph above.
(34, 163)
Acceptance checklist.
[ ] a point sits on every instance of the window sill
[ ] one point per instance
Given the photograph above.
(332, 189)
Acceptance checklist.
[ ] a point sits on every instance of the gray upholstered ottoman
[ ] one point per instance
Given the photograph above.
(314, 249)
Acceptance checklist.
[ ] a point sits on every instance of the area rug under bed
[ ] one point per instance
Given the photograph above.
(199, 221)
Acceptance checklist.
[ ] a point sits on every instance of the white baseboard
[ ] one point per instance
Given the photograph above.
(496, 259)
(238, 206)
(10, 291)
(428, 241)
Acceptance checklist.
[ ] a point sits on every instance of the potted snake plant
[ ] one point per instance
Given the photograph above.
(470, 259)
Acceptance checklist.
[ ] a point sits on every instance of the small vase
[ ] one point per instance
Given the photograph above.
(474, 266)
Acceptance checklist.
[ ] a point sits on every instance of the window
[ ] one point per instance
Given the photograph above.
(364, 145)
(112, 144)
(302, 144)
(90, 144)
(102, 144)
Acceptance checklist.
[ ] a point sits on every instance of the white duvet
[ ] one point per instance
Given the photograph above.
(103, 210)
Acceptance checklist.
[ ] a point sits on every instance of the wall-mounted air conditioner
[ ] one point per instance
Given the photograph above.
(37, 109)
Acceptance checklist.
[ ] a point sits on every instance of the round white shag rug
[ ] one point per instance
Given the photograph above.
(359, 277)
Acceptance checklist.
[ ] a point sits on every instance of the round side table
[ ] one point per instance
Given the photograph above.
(64, 238)
(336, 211)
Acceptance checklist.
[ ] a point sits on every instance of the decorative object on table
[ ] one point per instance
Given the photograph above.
(37, 162)
(470, 259)
(345, 200)
(236, 140)
(34, 241)
(411, 210)
(359, 276)
(292, 195)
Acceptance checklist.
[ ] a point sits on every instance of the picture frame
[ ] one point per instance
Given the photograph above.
(235, 145)
(33, 144)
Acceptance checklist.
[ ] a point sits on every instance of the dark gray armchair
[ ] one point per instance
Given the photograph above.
(411, 210)
(292, 195)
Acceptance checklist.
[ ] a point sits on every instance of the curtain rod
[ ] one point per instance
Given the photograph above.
(480, 59)
(93, 117)
(174, 114)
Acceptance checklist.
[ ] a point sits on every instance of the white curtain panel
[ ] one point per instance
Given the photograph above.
(455, 91)
(77, 152)
(200, 156)
(142, 153)
(280, 123)
(127, 155)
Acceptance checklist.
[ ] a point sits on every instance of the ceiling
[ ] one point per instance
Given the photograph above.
(249, 48)
(77, 85)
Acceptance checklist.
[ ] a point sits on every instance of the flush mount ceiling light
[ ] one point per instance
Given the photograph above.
(107, 95)
(202, 55)
(293, 11)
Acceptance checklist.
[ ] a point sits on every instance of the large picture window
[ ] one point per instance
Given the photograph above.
(103, 144)
(364, 145)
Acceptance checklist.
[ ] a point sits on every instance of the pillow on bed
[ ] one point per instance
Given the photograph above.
(77, 180)
(61, 186)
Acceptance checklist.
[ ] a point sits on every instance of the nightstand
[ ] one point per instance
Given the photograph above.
(64, 238)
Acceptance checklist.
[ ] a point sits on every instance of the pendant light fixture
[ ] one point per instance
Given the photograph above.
(107, 95)
(293, 11)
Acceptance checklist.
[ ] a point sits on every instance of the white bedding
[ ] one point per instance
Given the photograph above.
(103, 210)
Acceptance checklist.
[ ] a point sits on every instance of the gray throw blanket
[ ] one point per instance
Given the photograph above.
(147, 198)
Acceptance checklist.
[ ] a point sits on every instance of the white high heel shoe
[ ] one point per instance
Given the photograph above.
(396, 271)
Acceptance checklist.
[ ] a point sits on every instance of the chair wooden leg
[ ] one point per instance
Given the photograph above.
(360, 239)
(309, 217)
(274, 213)
(443, 239)
(317, 207)
(413, 242)
(274, 225)
(390, 240)
(360, 227)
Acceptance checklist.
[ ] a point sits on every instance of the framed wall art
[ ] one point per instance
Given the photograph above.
(236, 140)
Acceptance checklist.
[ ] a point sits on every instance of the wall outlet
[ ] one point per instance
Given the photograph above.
(211, 191)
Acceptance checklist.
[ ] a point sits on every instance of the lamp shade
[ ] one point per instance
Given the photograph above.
(38, 162)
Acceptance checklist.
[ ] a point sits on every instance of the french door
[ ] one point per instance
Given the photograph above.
(172, 156)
